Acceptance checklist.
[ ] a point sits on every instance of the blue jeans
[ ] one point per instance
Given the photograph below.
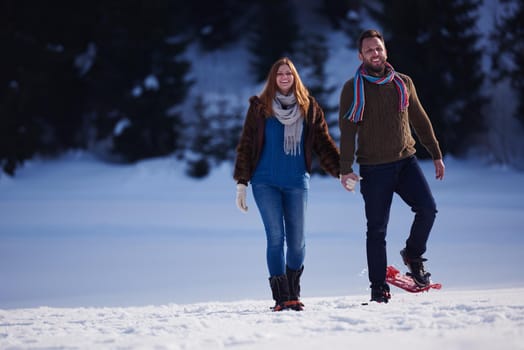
(379, 183)
(283, 214)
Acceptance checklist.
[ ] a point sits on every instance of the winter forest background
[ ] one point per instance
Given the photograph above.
(123, 79)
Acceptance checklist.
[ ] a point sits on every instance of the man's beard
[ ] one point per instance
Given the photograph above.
(375, 70)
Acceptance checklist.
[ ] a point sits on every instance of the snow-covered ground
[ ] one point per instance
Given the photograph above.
(94, 255)
(452, 320)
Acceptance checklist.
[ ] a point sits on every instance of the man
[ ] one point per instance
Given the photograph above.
(378, 107)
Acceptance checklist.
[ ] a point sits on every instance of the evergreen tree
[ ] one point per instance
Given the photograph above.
(311, 62)
(40, 88)
(336, 11)
(435, 42)
(216, 23)
(508, 57)
(312, 55)
(212, 135)
(344, 15)
(112, 66)
(137, 77)
(273, 35)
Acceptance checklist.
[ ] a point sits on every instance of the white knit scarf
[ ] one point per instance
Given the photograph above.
(288, 113)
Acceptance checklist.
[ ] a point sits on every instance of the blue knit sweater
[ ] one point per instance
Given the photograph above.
(277, 168)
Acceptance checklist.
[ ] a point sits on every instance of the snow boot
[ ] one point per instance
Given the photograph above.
(293, 278)
(416, 269)
(380, 293)
(280, 290)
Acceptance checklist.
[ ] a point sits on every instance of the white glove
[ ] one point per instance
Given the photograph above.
(349, 182)
(241, 197)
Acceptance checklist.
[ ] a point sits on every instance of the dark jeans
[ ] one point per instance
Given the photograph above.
(283, 213)
(379, 183)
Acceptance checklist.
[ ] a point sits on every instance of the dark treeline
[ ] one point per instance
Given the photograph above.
(108, 75)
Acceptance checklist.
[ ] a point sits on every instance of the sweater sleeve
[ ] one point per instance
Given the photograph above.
(348, 130)
(324, 145)
(421, 123)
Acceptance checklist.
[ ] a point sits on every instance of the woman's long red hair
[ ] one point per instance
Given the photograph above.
(270, 89)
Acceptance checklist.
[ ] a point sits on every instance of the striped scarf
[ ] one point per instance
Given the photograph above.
(356, 111)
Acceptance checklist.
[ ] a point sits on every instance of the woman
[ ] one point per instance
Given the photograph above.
(283, 126)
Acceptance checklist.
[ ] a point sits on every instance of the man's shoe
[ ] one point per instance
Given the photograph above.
(416, 269)
(296, 305)
(380, 293)
(280, 307)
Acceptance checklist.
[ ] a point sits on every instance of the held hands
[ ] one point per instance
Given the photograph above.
(241, 197)
(349, 181)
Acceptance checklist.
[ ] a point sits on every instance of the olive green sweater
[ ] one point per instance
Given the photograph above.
(384, 134)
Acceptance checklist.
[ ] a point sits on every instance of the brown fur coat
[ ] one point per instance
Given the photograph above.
(317, 139)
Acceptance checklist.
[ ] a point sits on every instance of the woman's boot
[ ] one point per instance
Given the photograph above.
(293, 278)
(280, 289)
